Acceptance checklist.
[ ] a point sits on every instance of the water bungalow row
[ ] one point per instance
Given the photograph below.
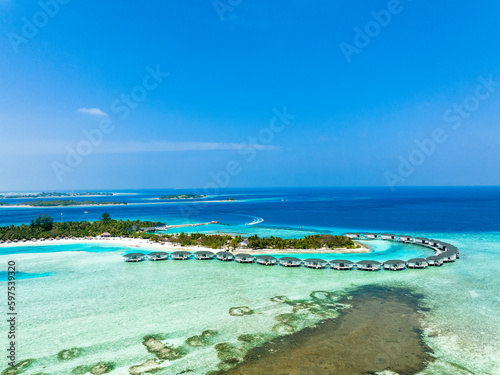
(446, 251)
(315, 263)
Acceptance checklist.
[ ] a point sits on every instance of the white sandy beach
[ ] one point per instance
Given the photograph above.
(147, 245)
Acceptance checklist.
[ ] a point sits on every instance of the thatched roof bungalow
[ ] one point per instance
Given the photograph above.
(204, 255)
(405, 238)
(388, 236)
(180, 255)
(368, 265)
(371, 236)
(353, 235)
(134, 257)
(342, 264)
(434, 260)
(290, 262)
(158, 255)
(224, 256)
(417, 263)
(244, 258)
(315, 263)
(266, 260)
(394, 265)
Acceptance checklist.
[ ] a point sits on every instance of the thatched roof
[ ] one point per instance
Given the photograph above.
(341, 261)
(368, 262)
(315, 260)
(157, 254)
(244, 256)
(392, 261)
(224, 254)
(290, 259)
(134, 255)
(181, 253)
(417, 260)
(266, 257)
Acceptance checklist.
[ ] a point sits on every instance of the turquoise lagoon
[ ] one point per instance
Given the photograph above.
(84, 296)
(94, 301)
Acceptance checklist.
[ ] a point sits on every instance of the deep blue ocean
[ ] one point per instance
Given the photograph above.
(291, 212)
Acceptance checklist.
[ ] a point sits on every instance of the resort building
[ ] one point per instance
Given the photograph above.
(225, 256)
(244, 243)
(395, 265)
(315, 263)
(342, 265)
(158, 255)
(180, 255)
(244, 258)
(368, 265)
(204, 255)
(406, 238)
(105, 235)
(353, 235)
(423, 241)
(417, 263)
(388, 236)
(448, 256)
(266, 260)
(134, 257)
(371, 236)
(434, 260)
(290, 262)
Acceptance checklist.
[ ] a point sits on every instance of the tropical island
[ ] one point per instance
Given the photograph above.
(182, 196)
(53, 195)
(43, 227)
(61, 203)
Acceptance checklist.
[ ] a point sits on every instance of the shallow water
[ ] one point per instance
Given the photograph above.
(85, 296)
(97, 302)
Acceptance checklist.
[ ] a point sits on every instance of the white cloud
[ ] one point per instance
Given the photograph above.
(93, 111)
(49, 147)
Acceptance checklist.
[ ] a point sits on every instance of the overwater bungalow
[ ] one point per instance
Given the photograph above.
(315, 263)
(371, 236)
(225, 256)
(438, 244)
(290, 262)
(434, 260)
(423, 241)
(342, 264)
(417, 263)
(368, 265)
(244, 258)
(180, 255)
(448, 256)
(158, 255)
(406, 238)
(204, 255)
(453, 249)
(134, 257)
(266, 260)
(388, 236)
(353, 235)
(394, 265)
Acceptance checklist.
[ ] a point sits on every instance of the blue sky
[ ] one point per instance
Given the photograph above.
(67, 67)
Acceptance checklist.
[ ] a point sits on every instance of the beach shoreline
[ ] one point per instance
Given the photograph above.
(143, 244)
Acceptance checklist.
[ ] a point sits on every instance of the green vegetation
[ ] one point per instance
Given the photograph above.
(105, 217)
(182, 196)
(61, 203)
(52, 195)
(45, 227)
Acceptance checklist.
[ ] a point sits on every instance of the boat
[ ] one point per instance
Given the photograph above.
(85, 212)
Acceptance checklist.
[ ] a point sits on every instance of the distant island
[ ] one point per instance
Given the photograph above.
(52, 195)
(182, 196)
(61, 203)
